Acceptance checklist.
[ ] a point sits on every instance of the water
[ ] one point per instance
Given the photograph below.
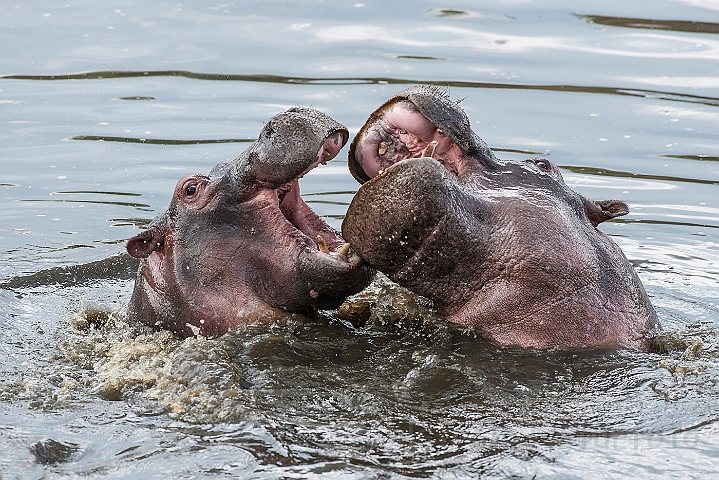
(105, 107)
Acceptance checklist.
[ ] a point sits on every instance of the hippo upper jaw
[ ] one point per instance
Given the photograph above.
(289, 146)
(420, 121)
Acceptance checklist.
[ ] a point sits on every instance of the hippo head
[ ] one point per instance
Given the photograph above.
(241, 245)
(504, 247)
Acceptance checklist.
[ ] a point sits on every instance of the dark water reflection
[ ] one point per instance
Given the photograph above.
(625, 104)
(614, 173)
(158, 141)
(712, 101)
(673, 25)
(701, 158)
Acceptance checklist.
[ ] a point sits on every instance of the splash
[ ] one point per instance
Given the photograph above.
(691, 358)
(194, 380)
(385, 306)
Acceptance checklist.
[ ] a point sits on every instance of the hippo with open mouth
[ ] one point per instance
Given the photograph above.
(504, 247)
(240, 245)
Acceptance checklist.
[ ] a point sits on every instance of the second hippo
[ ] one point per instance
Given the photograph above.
(504, 247)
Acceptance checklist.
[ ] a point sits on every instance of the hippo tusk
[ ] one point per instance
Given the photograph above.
(344, 249)
(321, 245)
(430, 148)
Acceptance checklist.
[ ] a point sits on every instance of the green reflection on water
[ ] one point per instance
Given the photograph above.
(632, 92)
(701, 158)
(158, 141)
(518, 150)
(661, 222)
(72, 192)
(418, 57)
(329, 202)
(121, 266)
(645, 23)
(136, 98)
(603, 172)
(449, 12)
(343, 192)
(140, 206)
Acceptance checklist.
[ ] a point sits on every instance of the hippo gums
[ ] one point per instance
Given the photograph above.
(241, 245)
(504, 247)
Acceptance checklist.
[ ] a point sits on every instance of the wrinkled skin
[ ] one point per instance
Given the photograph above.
(504, 247)
(240, 245)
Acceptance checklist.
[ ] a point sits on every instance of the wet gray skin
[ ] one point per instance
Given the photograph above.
(504, 247)
(241, 245)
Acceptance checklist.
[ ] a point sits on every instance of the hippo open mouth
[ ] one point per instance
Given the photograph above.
(241, 245)
(421, 121)
(299, 213)
(290, 146)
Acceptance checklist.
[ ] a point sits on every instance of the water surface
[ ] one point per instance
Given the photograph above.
(105, 107)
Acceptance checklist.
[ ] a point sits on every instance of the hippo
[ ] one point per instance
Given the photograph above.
(503, 248)
(241, 246)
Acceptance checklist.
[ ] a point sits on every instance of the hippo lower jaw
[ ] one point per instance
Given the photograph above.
(311, 229)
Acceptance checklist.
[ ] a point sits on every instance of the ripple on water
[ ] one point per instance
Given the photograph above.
(372, 392)
(379, 382)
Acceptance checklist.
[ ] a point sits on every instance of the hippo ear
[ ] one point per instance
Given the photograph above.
(143, 244)
(598, 212)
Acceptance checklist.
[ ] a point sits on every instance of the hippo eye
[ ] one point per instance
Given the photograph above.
(543, 165)
(190, 190)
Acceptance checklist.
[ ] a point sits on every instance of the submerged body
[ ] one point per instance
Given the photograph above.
(240, 245)
(504, 247)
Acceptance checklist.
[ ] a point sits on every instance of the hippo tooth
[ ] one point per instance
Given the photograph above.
(321, 245)
(344, 249)
(430, 148)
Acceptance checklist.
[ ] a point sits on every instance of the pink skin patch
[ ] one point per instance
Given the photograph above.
(403, 132)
